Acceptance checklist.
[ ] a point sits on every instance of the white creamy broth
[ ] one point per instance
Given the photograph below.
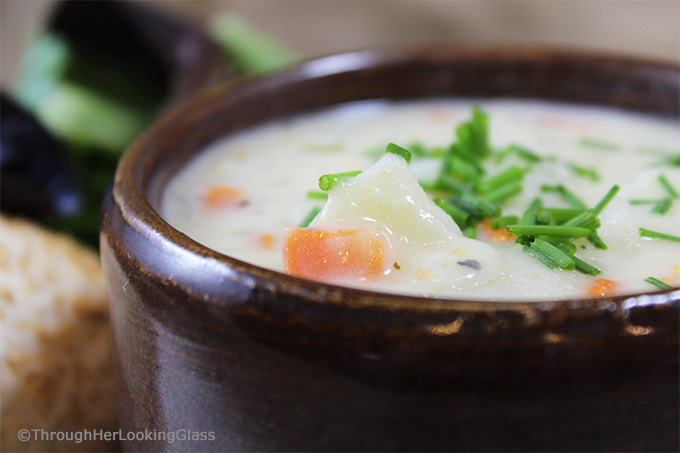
(242, 192)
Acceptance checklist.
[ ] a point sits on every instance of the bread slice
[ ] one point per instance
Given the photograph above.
(55, 359)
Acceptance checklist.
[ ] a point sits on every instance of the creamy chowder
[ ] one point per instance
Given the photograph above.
(510, 200)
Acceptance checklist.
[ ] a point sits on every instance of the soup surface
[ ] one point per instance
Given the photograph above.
(599, 185)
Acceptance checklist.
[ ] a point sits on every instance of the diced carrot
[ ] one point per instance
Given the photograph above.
(266, 241)
(335, 255)
(602, 287)
(220, 197)
(488, 234)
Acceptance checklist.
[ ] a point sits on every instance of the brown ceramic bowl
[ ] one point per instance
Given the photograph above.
(263, 361)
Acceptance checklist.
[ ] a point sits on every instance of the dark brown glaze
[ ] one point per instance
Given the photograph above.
(270, 362)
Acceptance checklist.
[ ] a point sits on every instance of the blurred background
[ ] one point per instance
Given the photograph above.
(646, 28)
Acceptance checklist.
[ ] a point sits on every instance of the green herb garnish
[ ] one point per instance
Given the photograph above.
(327, 182)
(668, 186)
(458, 215)
(561, 215)
(585, 172)
(658, 283)
(551, 230)
(606, 199)
(583, 267)
(672, 160)
(520, 152)
(473, 136)
(316, 195)
(509, 175)
(310, 216)
(566, 195)
(561, 258)
(599, 145)
(634, 202)
(662, 206)
(399, 151)
(502, 222)
(657, 235)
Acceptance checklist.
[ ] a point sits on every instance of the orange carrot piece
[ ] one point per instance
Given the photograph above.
(488, 234)
(602, 287)
(335, 255)
(266, 241)
(220, 197)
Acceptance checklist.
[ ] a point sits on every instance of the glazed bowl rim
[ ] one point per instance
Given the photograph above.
(130, 189)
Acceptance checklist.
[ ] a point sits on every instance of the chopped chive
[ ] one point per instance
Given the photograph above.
(566, 195)
(655, 150)
(375, 153)
(561, 215)
(447, 184)
(551, 230)
(316, 195)
(473, 135)
(566, 247)
(509, 175)
(600, 145)
(597, 242)
(476, 206)
(399, 151)
(326, 182)
(458, 215)
(672, 160)
(584, 172)
(658, 283)
(502, 193)
(520, 152)
(540, 256)
(606, 199)
(643, 201)
(655, 234)
(544, 218)
(561, 258)
(470, 232)
(584, 267)
(586, 219)
(525, 154)
(501, 222)
(308, 219)
(662, 206)
(537, 203)
(668, 186)
(462, 168)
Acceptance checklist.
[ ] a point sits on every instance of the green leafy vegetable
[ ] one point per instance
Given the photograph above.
(252, 51)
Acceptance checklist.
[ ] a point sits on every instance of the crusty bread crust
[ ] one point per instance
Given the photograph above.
(55, 359)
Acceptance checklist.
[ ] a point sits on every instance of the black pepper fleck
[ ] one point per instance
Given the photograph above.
(473, 264)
